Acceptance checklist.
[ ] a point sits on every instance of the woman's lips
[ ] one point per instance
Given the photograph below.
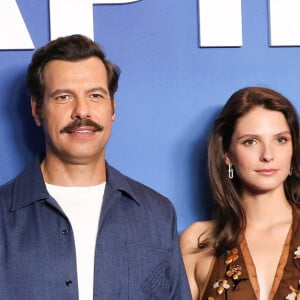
(267, 172)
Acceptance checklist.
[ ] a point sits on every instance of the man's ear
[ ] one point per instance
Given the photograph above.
(35, 111)
(114, 110)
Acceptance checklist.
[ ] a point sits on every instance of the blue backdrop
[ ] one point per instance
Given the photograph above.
(170, 91)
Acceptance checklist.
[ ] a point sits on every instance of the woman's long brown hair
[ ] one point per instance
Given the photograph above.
(229, 216)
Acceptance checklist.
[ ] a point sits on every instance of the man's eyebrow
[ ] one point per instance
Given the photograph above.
(60, 91)
(96, 89)
(69, 91)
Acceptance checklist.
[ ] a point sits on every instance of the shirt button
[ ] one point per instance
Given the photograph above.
(65, 232)
(68, 282)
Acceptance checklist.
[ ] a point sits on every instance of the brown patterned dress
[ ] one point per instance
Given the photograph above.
(233, 276)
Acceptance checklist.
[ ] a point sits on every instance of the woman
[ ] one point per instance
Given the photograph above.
(249, 250)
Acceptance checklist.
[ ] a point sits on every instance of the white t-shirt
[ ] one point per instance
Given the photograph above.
(82, 206)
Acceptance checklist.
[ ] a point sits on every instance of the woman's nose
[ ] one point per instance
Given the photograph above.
(267, 153)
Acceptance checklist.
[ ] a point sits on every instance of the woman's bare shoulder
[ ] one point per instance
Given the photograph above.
(190, 236)
(197, 261)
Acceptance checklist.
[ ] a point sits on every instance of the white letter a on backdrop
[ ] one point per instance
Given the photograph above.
(13, 31)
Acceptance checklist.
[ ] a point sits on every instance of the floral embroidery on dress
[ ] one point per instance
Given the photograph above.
(297, 253)
(232, 275)
(221, 285)
(234, 271)
(295, 292)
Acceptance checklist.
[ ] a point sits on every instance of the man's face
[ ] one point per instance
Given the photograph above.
(77, 111)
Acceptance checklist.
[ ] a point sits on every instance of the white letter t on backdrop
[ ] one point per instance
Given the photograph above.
(220, 23)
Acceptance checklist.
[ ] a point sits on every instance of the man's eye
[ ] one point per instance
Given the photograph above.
(62, 98)
(96, 97)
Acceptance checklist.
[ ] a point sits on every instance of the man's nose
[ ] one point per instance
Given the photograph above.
(81, 109)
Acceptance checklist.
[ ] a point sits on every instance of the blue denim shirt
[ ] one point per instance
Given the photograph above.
(136, 257)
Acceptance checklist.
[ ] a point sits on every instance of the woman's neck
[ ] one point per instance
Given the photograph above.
(266, 209)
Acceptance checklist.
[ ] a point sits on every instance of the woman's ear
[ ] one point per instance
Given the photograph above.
(227, 159)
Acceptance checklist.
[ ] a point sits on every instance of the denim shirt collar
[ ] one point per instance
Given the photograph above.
(29, 186)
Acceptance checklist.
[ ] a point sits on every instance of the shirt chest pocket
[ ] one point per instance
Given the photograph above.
(157, 285)
(150, 267)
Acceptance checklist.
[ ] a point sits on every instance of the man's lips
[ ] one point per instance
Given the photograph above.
(82, 126)
(83, 130)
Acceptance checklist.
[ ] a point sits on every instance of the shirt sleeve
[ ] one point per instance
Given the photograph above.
(179, 283)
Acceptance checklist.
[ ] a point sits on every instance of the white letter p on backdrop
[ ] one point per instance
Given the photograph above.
(75, 16)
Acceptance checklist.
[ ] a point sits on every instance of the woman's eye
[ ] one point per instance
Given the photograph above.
(281, 140)
(249, 142)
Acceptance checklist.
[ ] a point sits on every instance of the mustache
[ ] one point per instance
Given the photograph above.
(80, 123)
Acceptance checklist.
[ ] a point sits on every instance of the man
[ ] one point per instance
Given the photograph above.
(72, 227)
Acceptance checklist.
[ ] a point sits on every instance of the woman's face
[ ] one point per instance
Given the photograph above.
(261, 150)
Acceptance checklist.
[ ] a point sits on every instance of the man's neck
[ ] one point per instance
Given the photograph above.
(62, 173)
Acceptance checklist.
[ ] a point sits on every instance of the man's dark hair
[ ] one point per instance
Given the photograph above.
(70, 48)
